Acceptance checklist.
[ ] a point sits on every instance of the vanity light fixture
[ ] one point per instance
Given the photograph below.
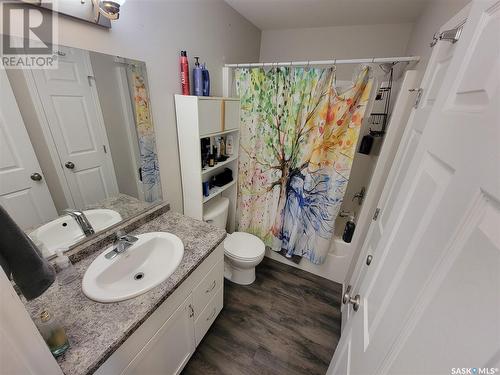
(108, 8)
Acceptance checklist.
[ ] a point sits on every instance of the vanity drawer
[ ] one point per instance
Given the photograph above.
(207, 288)
(208, 315)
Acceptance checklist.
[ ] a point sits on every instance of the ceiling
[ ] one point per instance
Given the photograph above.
(290, 14)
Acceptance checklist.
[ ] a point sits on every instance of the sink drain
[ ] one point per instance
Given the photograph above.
(138, 276)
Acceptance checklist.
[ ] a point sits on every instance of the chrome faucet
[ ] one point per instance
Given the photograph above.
(81, 220)
(121, 243)
(359, 196)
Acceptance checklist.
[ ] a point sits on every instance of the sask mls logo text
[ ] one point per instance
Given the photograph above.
(474, 371)
(28, 34)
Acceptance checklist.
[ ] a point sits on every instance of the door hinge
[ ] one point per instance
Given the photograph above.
(90, 78)
(105, 149)
(140, 174)
(452, 35)
(419, 96)
(376, 214)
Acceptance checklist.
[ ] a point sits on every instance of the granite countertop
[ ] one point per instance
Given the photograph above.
(96, 330)
(124, 204)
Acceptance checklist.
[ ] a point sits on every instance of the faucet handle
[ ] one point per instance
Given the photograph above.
(122, 236)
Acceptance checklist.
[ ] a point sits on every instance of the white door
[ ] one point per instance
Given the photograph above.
(429, 302)
(170, 348)
(72, 110)
(431, 83)
(23, 191)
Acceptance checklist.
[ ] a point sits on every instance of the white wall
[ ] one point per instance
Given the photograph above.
(434, 15)
(155, 32)
(325, 43)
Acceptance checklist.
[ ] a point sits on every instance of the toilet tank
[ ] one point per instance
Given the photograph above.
(215, 212)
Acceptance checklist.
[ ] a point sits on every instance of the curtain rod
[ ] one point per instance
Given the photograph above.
(328, 62)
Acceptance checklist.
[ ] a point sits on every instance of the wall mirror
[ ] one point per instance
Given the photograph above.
(77, 146)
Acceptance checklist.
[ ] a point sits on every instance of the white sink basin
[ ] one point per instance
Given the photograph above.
(144, 265)
(64, 231)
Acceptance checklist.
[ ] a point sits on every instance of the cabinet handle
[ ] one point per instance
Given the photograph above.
(211, 288)
(191, 311)
(212, 315)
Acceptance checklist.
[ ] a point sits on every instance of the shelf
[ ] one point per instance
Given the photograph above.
(219, 133)
(216, 190)
(218, 165)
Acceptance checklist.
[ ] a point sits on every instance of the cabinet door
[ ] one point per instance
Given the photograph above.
(210, 116)
(231, 114)
(170, 348)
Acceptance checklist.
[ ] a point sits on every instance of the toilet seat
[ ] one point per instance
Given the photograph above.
(244, 246)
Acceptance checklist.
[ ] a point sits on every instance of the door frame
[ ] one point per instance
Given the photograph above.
(47, 134)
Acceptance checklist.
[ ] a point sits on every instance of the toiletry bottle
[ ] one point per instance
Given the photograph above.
(197, 78)
(53, 333)
(184, 73)
(206, 80)
(222, 147)
(66, 271)
(229, 145)
(349, 230)
(211, 158)
(217, 148)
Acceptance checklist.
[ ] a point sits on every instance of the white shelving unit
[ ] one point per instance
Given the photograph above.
(201, 117)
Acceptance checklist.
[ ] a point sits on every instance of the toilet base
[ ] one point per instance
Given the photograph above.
(241, 276)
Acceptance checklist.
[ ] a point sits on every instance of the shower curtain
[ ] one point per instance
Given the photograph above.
(145, 133)
(297, 143)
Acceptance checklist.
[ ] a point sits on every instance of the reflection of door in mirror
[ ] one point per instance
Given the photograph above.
(70, 109)
(23, 190)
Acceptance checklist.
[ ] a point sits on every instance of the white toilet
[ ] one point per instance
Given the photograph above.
(242, 251)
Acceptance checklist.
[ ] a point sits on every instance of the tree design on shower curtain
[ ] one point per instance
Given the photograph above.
(298, 138)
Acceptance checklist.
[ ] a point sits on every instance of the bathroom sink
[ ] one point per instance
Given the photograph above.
(144, 265)
(64, 231)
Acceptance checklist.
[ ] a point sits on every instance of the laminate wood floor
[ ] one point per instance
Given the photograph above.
(286, 322)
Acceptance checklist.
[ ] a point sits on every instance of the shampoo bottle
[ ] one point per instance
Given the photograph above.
(184, 73)
(197, 78)
(349, 230)
(206, 80)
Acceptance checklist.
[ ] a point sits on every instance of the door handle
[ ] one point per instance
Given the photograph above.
(191, 311)
(36, 176)
(355, 302)
(369, 259)
(69, 165)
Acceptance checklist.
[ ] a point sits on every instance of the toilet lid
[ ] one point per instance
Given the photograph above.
(244, 245)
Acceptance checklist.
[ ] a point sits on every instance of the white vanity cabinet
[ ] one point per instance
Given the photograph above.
(164, 343)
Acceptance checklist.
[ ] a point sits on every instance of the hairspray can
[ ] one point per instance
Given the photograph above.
(184, 73)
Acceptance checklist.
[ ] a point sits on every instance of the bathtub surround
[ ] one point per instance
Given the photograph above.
(96, 330)
(298, 138)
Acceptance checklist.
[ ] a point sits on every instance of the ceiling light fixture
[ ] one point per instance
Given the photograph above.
(108, 8)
